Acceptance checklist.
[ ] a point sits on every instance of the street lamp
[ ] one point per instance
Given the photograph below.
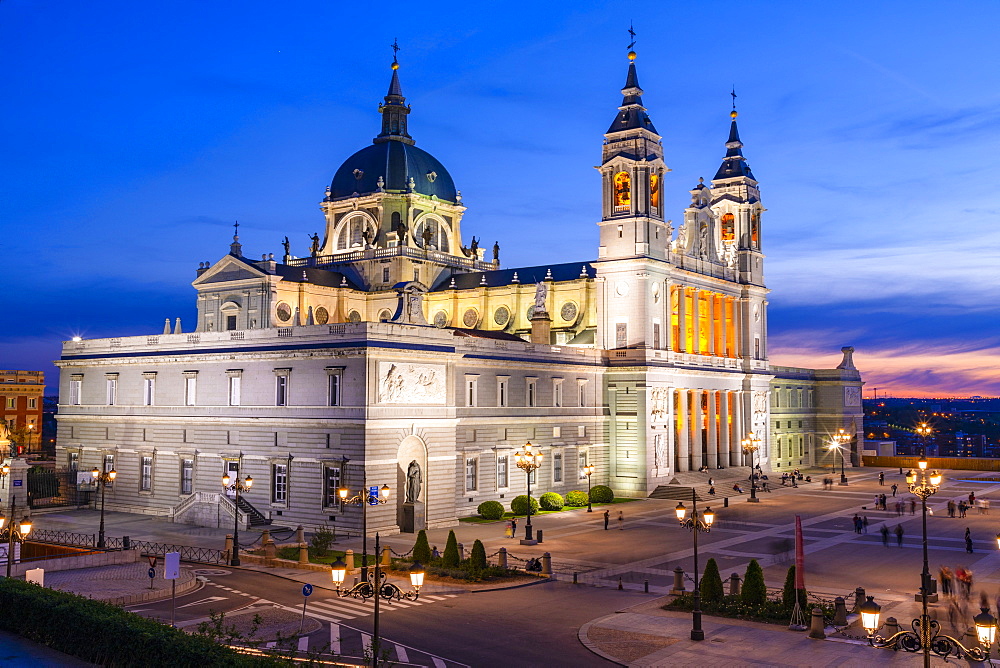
(696, 525)
(31, 432)
(588, 471)
(4, 472)
(375, 586)
(529, 461)
(750, 444)
(839, 441)
(237, 486)
(102, 478)
(14, 533)
(364, 498)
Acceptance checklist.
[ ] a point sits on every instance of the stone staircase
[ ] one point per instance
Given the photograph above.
(255, 517)
(682, 484)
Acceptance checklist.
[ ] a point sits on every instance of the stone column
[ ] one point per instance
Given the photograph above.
(697, 460)
(669, 320)
(725, 454)
(683, 417)
(713, 430)
(712, 325)
(738, 428)
(682, 319)
(695, 321)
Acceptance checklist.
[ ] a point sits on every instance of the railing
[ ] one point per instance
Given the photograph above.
(396, 251)
(187, 552)
(203, 555)
(63, 538)
(953, 463)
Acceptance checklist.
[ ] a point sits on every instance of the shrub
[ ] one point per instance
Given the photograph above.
(321, 540)
(711, 583)
(477, 560)
(788, 593)
(552, 501)
(576, 498)
(519, 505)
(754, 590)
(602, 494)
(490, 510)
(451, 558)
(422, 549)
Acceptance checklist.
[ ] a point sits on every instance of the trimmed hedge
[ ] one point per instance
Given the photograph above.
(754, 591)
(576, 498)
(105, 634)
(602, 494)
(490, 510)
(519, 505)
(711, 583)
(477, 560)
(552, 501)
(422, 549)
(451, 558)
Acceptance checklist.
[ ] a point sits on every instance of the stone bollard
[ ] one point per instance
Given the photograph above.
(678, 587)
(386, 556)
(891, 627)
(270, 552)
(300, 534)
(349, 559)
(461, 552)
(264, 536)
(303, 553)
(816, 628)
(228, 549)
(859, 598)
(734, 585)
(538, 535)
(546, 564)
(621, 586)
(839, 612)
(502, 557)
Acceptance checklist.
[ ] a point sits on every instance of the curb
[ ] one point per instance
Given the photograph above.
(155, 595)
(581, 635)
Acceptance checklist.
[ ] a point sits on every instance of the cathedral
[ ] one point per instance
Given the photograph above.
(399, 353)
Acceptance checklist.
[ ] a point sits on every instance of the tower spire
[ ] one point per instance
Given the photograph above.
(734, 164)
(631, 114)
(394, 110)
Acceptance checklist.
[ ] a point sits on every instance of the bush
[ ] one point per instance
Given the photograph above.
(552, 501)
(519, 505)
(105, 634)
(490, 510)
(711, 583)
(451, 558)
(602, 494)
(321, 540)
(754, 590)
(576, 498)
(788, 593)
(422, 549)
(477, 561)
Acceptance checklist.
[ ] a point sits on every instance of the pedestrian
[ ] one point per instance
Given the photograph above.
(881, 478)
(961, 509)
(509, 531)
(972, 498)
(766, 486)
(893, 488)
(607, 518)
(913, 506)
(986, 506)
(979, 505)
(878, 500)
(885, 535)
(856, 521)
(944, 574)
(899, 535)
(784, 479)
(864, 524)
(621, 521)
(711, 490)
(434, 553)
(899, 508)
(513, 526)
(951, 508)
(882, 499)
(968, 540)
(710, 482)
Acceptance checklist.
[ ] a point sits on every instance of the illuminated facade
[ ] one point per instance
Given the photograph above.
(396, 343)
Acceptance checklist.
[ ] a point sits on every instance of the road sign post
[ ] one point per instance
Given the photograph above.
(307, 590)
(172, 571)
(152, 576)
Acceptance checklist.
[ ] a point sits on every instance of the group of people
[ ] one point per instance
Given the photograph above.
(960, 508)
(959, 581)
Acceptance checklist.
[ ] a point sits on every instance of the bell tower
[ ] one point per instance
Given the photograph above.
(632, 171)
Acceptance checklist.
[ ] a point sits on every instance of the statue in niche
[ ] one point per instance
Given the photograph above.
(401, 230)
(368, 236)
(658, 452)
(541, 291)
(703, 241)
(413, 481)
(314, 249)
(682, 238)
(427, 235)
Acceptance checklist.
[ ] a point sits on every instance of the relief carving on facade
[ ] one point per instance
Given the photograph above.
(401, 383)
(659, 404)
(760, 399)
(852, 396)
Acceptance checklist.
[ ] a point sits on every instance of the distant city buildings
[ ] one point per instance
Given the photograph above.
(21, 405)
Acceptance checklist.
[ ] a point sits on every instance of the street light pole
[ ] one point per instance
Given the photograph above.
(103, 478)
(588, 470)
(923, 486)
(364, 498)
(696, 525)
(529, 461)
(750, 445)
(237, 486)
(14, 534)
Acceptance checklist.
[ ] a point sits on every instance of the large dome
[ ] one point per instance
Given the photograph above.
(396, 162)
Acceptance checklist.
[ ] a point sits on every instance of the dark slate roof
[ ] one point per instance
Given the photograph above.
(395, 162)
(324, 277)
(485, 334)
(632, 114)
(560, 272)
(734, 164)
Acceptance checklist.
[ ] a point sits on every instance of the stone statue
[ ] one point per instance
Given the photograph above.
(427, 235)
(367, 235)
(496, 251)
(474, 246)
(401, 230)
(413, 481)
(541, 290)
(288, 248)
(658, 452)
(314, 249)
(703, 241)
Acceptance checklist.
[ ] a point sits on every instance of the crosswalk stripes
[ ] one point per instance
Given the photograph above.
(334, 638)
(401, 654)
(335, 610)
(304, 643)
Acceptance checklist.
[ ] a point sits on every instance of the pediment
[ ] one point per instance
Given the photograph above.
(229, 269)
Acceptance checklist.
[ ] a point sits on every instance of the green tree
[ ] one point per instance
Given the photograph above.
(478, 558)
(602, 494)
(754, 590)
(451, 558)
(788, 593)
(552, 501)
(422, 549)
(711, 583)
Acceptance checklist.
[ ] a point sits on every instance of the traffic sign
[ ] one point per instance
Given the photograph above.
(373, 495)
(307, 590)
(152, 573)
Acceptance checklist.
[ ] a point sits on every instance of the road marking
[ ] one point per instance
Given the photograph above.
(438, 663)
(366, 643)
(303, 643)
(353, 606)
(401, 654)
(210, 599)
(325, 618)
(334, 638)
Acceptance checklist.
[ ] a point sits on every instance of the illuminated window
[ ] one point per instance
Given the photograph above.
(623, 191)
(654, 192)
(728, 227)
(755, 230)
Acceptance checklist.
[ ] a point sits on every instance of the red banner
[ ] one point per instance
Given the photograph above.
(800, 555)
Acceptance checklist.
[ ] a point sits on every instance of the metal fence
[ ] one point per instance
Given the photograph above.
(188, 552)
(58, 488)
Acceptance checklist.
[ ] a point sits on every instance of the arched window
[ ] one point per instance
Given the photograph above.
(623, 191)
(654, 192)
(755, 230)
(728, 227)
(432, 234)
(351, 233)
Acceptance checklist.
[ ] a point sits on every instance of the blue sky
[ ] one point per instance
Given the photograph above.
(134, 134)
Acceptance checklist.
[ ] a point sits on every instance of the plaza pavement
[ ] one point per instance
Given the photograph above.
(652, 544)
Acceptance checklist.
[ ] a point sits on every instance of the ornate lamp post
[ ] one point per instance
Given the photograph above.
(236, 486)
(105, 478)
(839, 441)
(4, 472)
(696, 525)
(529, 461)
(364, 498)
(375, 586)
(588, 471)
(750, 444)
(14, 533)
